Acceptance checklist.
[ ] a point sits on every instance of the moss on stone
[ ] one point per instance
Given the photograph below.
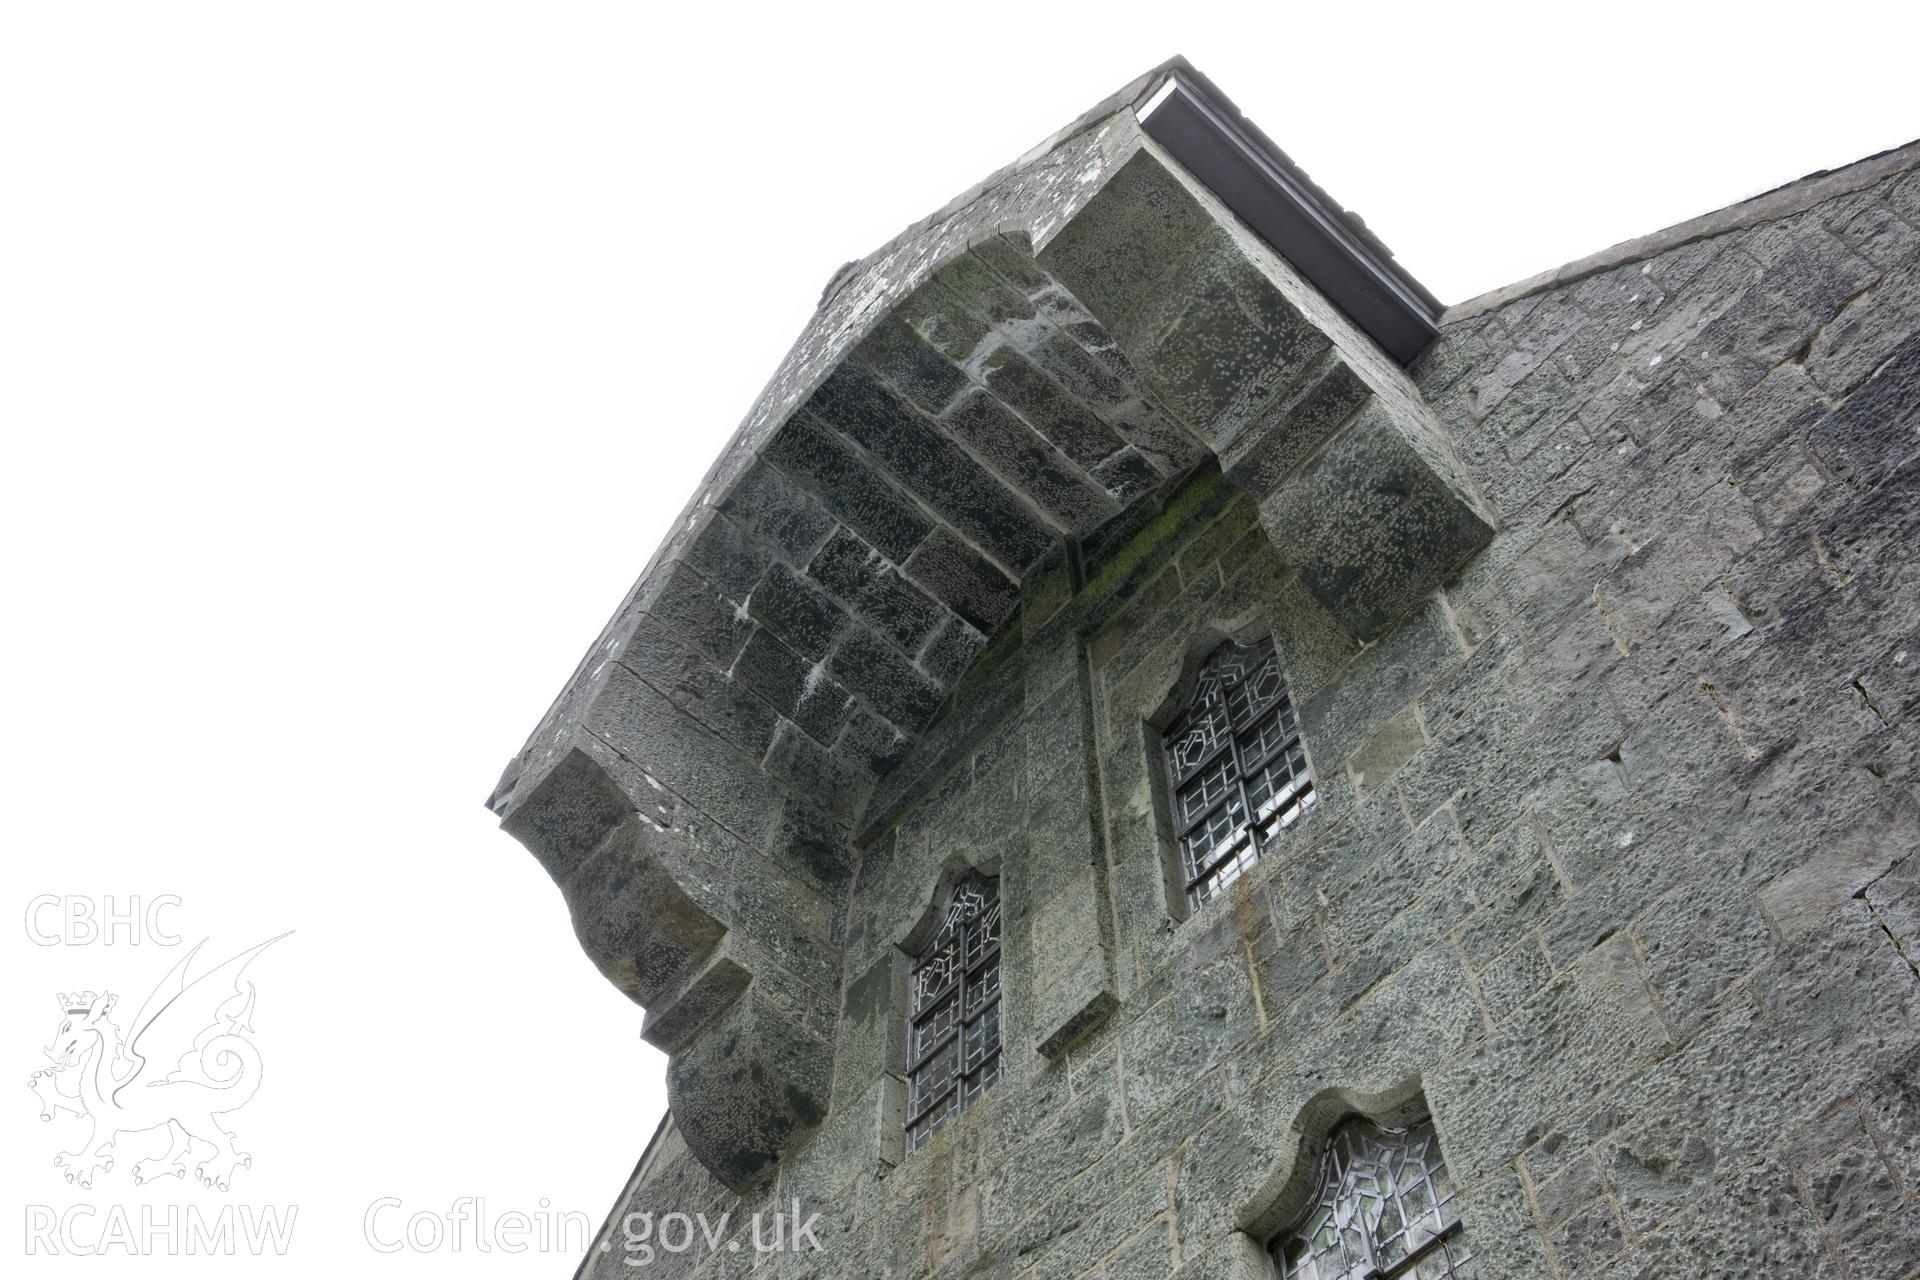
(1166, 529)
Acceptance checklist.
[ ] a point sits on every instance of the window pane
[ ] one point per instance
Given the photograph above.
(936, 972)
(978, 1081)
(1199, 735)
(1258, 686)
(983, 1037)
(932, 1028)
(983, 935)
(1381, 1210)
(1205, 791)
(983, 987)
(922, 1129)
(953, 1033)
(1269, 733)
(1224, 830)
(1236, 744)
(934, 1077)
(1281, 792)
(1274, 785)
(1224, 873)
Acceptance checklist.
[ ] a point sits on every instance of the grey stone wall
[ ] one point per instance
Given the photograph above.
(1024, 379)
(1611, 868)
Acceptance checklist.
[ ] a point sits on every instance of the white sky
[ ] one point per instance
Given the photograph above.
(354, 357)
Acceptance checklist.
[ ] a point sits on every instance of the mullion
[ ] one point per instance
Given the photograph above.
(960, 1012)
(964, 1023)
(1240, 782)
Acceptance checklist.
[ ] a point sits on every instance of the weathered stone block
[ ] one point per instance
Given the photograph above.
(1370, 526)
(799, 688)
(904, 360)
(776, 513)
(1379, 682)
(846, 486)
(677, 1015)
(1220, 341)
(751, 1086)
(635, 913)
(1029, 462)
(1075, 992)
(1270, 447)
(639, 722)
(869, 586)
(963, 580)
(931, 466)
(1069, 426)
(568, 814)
(1878, 426)
(693, 609)
(1119, 249)
(804, 617)
(895, 687)
(949, 654)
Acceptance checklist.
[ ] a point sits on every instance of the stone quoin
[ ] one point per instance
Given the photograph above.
(1158, 749)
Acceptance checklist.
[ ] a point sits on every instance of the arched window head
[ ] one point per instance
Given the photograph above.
(1385, 1207)
(1234, 751)
(953, 1021)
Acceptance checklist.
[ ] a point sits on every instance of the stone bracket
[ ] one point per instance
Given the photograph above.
(715, 983)
(752, 1085)
(1358, 485)
(749, 1046)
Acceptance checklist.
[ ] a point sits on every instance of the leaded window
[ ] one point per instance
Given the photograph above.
(1235, 751)
(1386, 1207)
(953, 1026)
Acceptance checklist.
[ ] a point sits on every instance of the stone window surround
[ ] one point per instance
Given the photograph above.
(965, 977)
(1402, 1252)
(1293, 1180)
(1185, 702)
(1153, 718)
(903, 951)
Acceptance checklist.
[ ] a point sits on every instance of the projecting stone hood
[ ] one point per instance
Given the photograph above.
(1153, 292)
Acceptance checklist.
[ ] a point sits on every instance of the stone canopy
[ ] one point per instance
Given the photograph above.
(1018, 381)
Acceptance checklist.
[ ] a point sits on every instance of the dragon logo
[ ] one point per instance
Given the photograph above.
(186, 1060)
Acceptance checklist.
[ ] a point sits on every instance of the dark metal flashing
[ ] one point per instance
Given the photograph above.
(1268, 192)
